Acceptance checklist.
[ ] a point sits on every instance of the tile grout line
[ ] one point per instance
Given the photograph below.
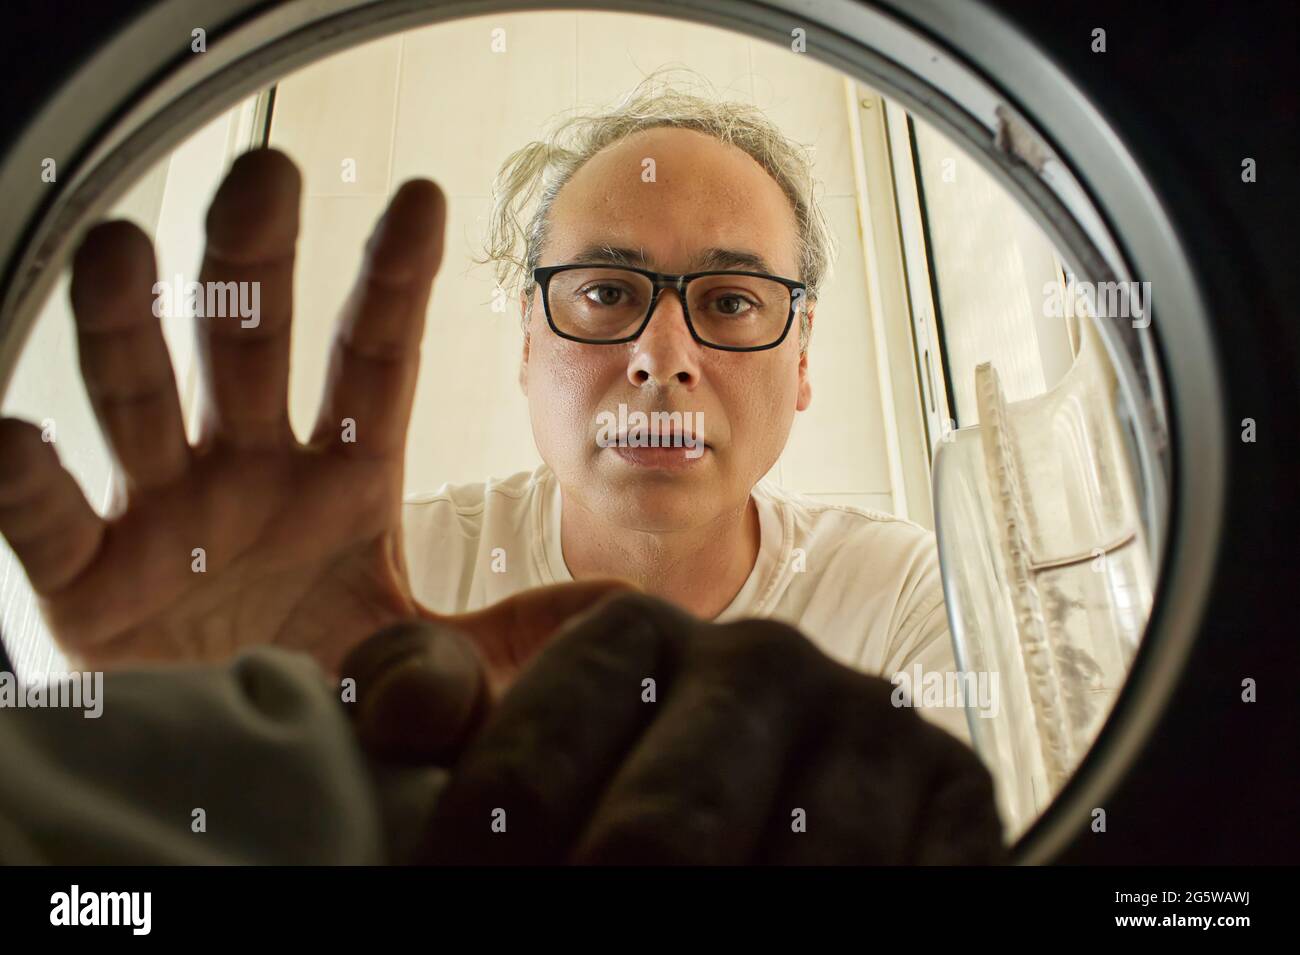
(397, 102)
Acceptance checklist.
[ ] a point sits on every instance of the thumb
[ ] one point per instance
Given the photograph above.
(421, 692)
(511, 632)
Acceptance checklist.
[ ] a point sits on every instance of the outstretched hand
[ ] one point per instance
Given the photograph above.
(248, 536)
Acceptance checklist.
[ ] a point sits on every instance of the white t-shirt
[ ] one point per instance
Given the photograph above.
(863, 586)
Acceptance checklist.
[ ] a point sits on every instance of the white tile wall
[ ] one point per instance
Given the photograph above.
(838, 444)
(341, 109)
(471, 418)
(332, 234)
(806, 100)
(619, 49)
(463, 108)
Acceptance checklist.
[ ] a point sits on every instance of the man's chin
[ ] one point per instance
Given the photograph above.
(647, 517)
(657, 503)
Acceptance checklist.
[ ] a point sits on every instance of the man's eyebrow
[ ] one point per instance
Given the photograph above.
(730, 259)
(610, 255)
(708, 260)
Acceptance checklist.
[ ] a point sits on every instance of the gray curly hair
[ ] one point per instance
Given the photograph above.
(545, 166)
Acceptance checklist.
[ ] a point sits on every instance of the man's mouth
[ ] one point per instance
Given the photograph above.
(661, 458)
(656, 439)
(676, 438)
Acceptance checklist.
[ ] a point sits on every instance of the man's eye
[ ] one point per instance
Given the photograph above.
(732, 306)
(604, 294)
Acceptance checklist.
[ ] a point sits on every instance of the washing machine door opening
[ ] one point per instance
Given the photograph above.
(1030, 327)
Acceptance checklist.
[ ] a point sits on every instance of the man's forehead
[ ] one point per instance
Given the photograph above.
(705, 205)
(713, 257)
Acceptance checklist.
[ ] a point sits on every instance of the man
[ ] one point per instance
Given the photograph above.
(266, 540)
(678, 184)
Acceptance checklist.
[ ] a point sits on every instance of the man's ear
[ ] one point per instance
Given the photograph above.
(523, 362)
(804, 396)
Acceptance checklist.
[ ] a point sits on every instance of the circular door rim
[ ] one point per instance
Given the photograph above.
(143, 90)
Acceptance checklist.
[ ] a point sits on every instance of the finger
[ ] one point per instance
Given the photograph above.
(376, 353)
(124, 358)
(511, 632)
(698, 789)
(252, 231)
(43, 515)
(555, 739)
(424, 688)
(420, 693)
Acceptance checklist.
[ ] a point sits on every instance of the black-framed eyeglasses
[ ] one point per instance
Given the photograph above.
(611, 305)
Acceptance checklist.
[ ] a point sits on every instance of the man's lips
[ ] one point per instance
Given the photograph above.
(662, 458)
(653, 439)
(675, 439)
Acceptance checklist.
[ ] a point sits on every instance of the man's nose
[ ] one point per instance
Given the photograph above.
(666, 354)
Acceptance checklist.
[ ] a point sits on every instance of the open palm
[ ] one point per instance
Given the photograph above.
(248, 536)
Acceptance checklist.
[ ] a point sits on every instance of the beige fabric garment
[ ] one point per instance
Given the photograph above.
(864, 586)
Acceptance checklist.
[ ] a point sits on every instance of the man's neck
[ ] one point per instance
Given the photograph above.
(700, 569)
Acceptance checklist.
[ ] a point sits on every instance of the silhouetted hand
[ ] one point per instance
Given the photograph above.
(643, 735)
(248, 537)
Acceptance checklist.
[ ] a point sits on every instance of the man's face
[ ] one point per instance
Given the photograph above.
(707, 196)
